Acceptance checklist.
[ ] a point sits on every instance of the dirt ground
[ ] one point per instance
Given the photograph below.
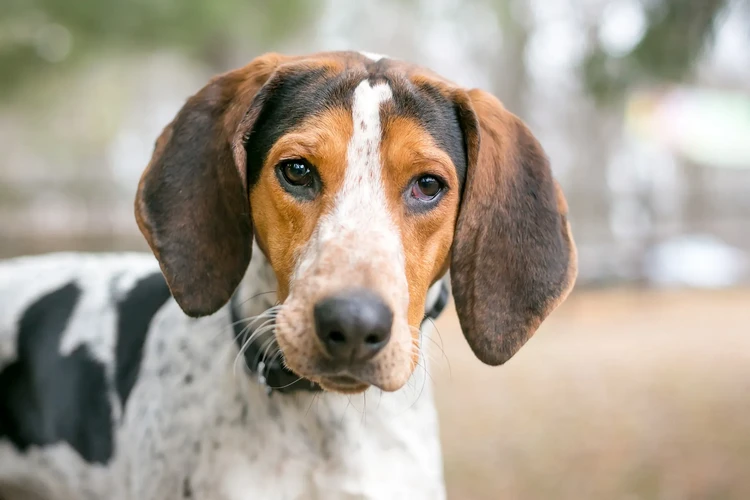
(621, 395)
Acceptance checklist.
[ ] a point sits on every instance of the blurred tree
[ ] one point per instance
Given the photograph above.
(676, 33)
(41, 37)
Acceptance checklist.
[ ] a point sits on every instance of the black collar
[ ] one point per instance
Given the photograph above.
(439, 304)
(272, 375)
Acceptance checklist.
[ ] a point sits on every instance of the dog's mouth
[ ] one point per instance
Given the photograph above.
(343, 383)
(276, 374)
(335, 349)
(263, 357)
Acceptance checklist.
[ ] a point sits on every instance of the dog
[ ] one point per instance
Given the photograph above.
(307, 214)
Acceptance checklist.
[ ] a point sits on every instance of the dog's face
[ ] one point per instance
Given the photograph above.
(354, 203)
(363, 180)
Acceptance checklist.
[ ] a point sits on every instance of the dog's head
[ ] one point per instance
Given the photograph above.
(363, 180)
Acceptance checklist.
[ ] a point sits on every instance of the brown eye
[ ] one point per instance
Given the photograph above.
(426, 188)
(297, 173)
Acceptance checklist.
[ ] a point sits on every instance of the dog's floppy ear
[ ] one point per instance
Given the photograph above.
(513, 259)
(192, 204)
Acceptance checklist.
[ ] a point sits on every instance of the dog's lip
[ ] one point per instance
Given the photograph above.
(343, 380)
(343, 383)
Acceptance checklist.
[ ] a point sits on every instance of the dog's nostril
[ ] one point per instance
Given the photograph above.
(373, 339)
(337, 337)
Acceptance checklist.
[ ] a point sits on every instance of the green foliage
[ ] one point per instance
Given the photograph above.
(677, 33)
(41, 37)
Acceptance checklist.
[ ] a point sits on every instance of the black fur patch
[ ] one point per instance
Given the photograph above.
(47, 398)
(286, 103)
(277, 376)
(134, 314)
(440, 303)
(437, 114)
(294, 97)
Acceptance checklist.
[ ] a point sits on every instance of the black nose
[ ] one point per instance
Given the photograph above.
(353, 325)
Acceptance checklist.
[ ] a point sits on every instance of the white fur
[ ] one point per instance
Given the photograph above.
(220, 432)
(373, 56)
(358, 243)
(360, 215)
(361, 206)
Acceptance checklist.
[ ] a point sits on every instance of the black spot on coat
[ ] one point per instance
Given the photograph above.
(134, 314)
(46, 397)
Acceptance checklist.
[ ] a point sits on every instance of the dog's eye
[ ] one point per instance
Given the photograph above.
(297, 173)
(426, 188)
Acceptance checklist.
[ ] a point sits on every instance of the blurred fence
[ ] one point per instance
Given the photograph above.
(648, 203)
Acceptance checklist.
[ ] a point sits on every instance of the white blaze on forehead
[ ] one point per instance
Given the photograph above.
(363, 183)
(360, 223)
(357, 243)
(373, 56)
(361, 203)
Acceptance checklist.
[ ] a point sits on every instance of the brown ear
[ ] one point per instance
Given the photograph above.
(192, 204)
(513, 258)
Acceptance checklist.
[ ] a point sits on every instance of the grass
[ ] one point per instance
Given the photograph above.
(621, 395)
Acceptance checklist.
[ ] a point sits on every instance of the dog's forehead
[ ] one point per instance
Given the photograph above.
(327, 81)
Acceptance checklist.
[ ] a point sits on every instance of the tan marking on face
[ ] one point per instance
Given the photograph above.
(356, 244)
(358, 232)
(283, 224)
(408, 152)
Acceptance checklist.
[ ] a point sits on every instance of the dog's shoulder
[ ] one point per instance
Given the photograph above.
(23, 278)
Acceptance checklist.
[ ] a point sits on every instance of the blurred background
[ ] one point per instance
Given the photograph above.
(638, 387)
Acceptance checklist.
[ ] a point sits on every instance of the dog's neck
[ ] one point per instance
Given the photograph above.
(257, 290)
(249, 311)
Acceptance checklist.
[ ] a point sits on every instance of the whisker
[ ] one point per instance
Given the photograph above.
(247, 340)
(287, 385)
(426, 355)
(242, 333)
(245, 346)
(420, 353)
(264, 347)
(255, 297)
(264, 326)
(314, 398)
(426, 371)
(276, 355)
(344, 413)
(363, 420)
(430, 355)
(247, 329)
(439, 346)
(241, 351)
(424, 384)
(257, 333)
(249, 335)
(251, 318)
(271, 343)
(434, 325)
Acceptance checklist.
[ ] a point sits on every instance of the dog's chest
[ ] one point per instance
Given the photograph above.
(332, 452)
(224, 438)
(195, 426)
